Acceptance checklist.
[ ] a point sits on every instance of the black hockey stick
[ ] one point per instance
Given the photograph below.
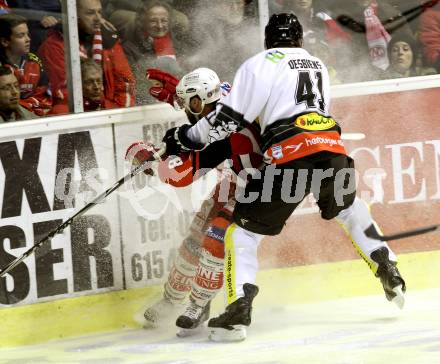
(372, 233)
(81, 212)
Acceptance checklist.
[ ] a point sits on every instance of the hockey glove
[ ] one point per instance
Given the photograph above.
(167, 90)
(177, 141)
(139, 153)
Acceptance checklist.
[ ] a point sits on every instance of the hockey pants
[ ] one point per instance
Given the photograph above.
(241, 263)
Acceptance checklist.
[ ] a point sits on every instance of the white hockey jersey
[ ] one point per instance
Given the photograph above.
(277, 84)
(288, 91)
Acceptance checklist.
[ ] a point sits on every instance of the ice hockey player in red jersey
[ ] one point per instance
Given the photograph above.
(198, 267)
(288, 90)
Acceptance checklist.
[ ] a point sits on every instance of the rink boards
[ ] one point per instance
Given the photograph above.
(112, 261)
(123, 309)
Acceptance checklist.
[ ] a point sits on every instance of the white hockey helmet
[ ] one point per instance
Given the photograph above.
(202, 82)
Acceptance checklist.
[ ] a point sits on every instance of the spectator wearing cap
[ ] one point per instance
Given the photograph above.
(96, 42)
(10, 108)
(27, 67)
(403, 54)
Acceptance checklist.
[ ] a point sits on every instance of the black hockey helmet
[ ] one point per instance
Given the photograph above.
(283, 30)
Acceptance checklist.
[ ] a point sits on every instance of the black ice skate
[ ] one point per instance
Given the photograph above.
(392, 282)
(192, 319)
(231, 325)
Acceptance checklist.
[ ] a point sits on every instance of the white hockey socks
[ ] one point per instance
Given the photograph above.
(355, 220)
(208, 279)
(182, 272)
(241, 261)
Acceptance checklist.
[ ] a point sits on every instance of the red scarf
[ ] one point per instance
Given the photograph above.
(163, 46)
(96, 48)
(377, 37)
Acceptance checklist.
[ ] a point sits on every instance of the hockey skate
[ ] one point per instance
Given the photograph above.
(191, 321)
(160, 312)
(231, 325)
(392, 282)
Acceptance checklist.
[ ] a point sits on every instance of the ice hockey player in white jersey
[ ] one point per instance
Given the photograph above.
(193, 91)
(288, 91)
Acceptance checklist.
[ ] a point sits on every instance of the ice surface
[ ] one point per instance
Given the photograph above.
(360, 330)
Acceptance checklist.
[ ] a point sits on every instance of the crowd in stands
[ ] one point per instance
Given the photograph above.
(359, 40)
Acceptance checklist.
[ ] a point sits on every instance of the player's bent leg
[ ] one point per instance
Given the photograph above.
(207, 282)
(177, 286)
(209, 276)
(182, 273)
(241, 266)
(357, 219)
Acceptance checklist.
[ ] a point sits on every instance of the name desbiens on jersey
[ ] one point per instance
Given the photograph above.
(304, 63)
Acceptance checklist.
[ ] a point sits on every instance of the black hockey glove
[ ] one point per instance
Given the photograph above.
(176, 141)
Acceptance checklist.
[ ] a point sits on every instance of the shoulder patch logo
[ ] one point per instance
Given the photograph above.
(275, 56)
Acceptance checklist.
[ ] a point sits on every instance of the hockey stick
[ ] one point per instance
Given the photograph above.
(372, 233)
(95, 201)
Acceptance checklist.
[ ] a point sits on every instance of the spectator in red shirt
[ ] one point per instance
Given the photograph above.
(98, 43)
(92, 89)
(429, 34)
(27, 67)
(151, 40)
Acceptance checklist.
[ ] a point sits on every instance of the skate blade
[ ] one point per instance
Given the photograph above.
(219, 334)
(399, 299)
(189, 332)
